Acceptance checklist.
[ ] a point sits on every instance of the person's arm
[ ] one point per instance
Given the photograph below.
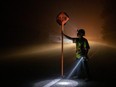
(67, 36)
(87, 48)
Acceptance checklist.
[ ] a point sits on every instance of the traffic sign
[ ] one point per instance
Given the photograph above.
(62, 18)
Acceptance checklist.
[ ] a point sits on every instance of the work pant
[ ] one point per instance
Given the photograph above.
(84, 72)
(80, 69)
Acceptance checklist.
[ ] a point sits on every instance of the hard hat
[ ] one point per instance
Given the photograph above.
(81, 32)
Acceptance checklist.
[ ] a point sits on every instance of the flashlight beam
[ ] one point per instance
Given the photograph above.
(72, 71)
(52, 83)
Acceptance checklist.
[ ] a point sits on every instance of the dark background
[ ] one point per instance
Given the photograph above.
(31, 22)
(27, 26)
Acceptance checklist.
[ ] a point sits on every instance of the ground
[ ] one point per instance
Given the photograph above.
(29, 69)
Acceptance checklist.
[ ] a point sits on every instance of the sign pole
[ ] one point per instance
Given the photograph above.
(62, 51)
(61, 19)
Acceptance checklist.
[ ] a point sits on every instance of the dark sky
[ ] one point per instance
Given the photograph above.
(109, 24)
(26, 22)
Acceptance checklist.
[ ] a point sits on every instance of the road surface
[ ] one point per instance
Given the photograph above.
(29, 66)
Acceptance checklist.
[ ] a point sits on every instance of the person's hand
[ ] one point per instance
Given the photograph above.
(85, 58)
(64, 20)
(62, 30)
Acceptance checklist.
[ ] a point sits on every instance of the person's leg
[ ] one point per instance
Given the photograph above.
(75, 70)
(86, 67)
(78, 70)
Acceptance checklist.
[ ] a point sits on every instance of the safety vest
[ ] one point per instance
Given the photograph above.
(80, 48)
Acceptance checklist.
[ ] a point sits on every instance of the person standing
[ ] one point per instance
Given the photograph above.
(82, 49)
